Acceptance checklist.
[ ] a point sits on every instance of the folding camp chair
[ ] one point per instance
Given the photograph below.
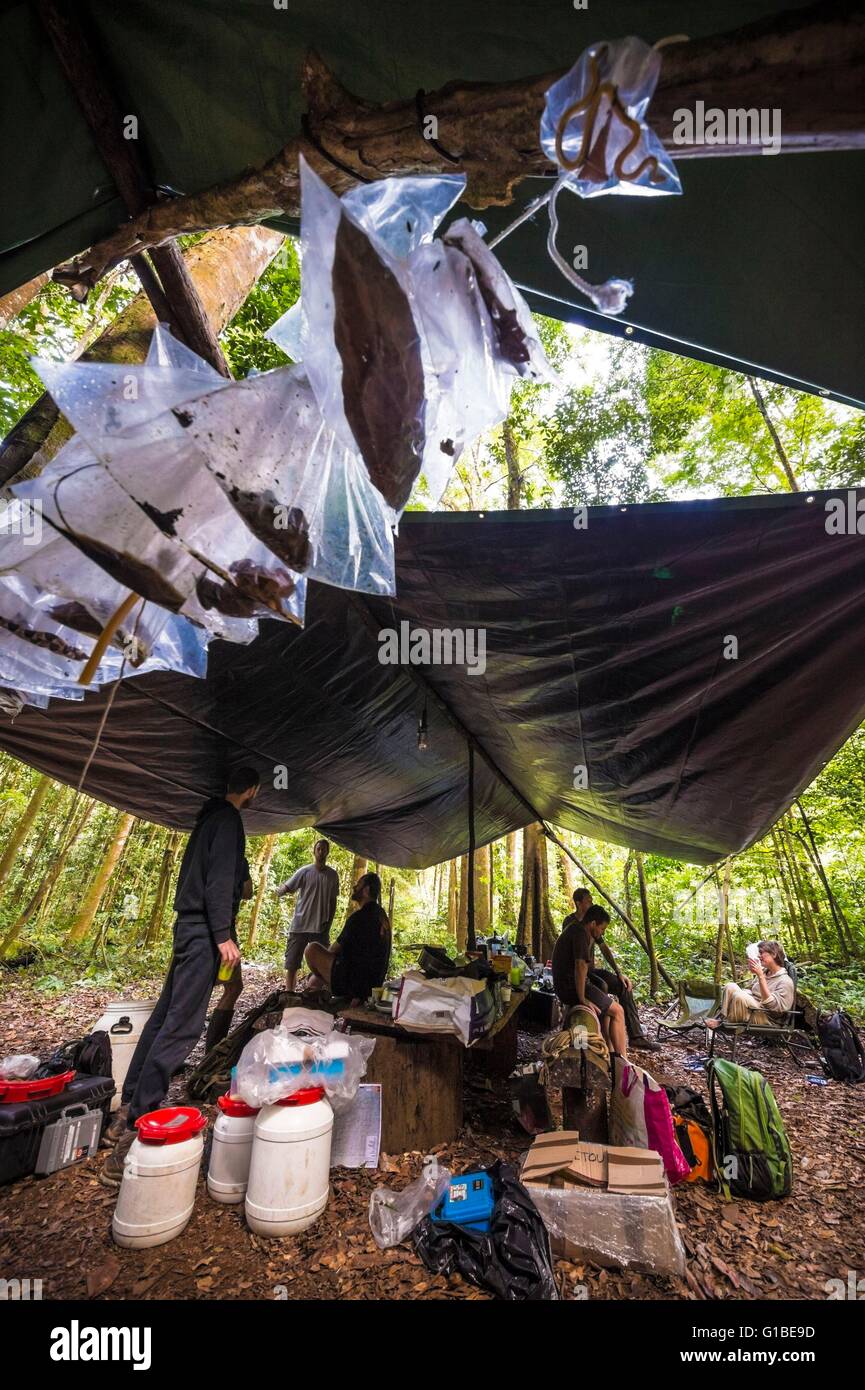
(789, 1030)
(697, 1000)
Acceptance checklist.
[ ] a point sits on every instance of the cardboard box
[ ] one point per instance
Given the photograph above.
(604, 1204)
(560, 1158)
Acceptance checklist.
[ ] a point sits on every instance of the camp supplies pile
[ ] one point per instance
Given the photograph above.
(304, 1050)
(511, 1259)
(604, 1203)
(640, 1116)
(842, 1047)
(187, 507)
(750, 1146)
(394, 1215)
(461, 1006)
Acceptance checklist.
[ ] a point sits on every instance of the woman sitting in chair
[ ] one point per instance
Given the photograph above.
(772, 992)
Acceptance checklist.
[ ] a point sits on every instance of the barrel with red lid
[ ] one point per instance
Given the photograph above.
(157, 1193)
(230, 1154)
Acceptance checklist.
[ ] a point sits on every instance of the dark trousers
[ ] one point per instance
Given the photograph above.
(175, 1025)
(611, 984)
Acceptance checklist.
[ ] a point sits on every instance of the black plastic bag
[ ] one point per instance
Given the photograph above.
(512, 1260)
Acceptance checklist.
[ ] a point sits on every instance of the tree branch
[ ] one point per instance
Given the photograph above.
(808, 63)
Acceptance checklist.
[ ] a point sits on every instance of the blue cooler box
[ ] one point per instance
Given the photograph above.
(468, 1202)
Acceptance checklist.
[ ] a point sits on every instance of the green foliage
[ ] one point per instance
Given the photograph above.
(52, 325)
(243, 341)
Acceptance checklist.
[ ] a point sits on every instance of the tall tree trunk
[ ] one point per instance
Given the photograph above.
(19, 834)
(157, 911)
(453, 897)
(224, 267)
(654, 977)
(482, 891)
(512, 462)
(263, 866)
(463, 905)
(535, 925)
(74, 826)
(90, 906)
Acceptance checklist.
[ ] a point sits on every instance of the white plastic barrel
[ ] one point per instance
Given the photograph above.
(228, 1173)
(289, 1173)
(123, 1021)
(157, 1192)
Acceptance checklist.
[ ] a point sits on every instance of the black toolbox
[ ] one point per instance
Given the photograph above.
(23, 1122)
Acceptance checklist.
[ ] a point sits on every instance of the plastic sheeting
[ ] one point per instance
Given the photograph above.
(603, 648)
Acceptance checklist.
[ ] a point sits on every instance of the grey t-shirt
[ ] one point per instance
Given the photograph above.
(317, 891)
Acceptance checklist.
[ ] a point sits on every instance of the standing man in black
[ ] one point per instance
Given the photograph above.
(210, 885)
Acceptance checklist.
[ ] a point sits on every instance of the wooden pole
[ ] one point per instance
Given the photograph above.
(471, 942)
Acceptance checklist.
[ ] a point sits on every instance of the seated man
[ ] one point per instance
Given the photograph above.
(357, 962)
(612, 981)
(573, 962)
(772, 992)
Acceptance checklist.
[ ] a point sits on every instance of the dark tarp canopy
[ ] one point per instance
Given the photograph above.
(606, 647)
(757, 266)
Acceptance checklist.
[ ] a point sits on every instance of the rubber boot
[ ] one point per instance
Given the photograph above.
(218, 1028)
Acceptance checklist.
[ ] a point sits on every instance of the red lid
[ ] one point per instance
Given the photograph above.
(234, 1106)
(170, 1126)
(46, 1086)
(308, 1097)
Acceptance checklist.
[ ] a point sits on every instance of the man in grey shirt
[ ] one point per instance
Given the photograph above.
(317, 889)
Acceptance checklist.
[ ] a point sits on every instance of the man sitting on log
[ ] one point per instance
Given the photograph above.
(611, 981)
(357, 962)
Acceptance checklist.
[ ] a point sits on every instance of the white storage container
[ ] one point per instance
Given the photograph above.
(228, 1173)
(289, 1173)
(157, 1193)
(123, 1021)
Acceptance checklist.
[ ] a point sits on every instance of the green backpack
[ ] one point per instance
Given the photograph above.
(751, 1150)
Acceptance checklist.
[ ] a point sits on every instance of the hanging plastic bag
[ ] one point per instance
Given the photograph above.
(394, 1215)
(303, 495)
(594, 126)
(512, 1260)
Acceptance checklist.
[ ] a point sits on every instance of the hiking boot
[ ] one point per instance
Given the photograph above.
(116, 1127)
(644, 1044)
(111, 1174)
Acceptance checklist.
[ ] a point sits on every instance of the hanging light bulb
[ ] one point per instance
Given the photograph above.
(423, 732)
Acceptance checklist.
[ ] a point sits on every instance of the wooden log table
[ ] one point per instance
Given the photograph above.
(421, 1074)
(421, 1079)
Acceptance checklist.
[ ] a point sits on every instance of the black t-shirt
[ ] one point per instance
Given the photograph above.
(364, 953)
(575, 943)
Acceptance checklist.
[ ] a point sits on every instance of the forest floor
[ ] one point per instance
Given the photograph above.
(57, 1229)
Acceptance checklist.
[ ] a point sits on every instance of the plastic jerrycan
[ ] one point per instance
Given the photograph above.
(289, 1173)
(157, 1192)
(228, 1173)
(123, 1021)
